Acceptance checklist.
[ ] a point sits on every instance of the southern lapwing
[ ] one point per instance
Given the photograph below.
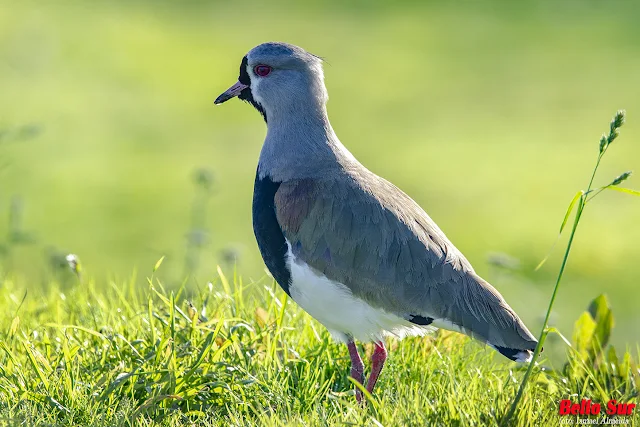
(349, 247)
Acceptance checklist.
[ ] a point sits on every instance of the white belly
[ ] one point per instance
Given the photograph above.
(344, 315)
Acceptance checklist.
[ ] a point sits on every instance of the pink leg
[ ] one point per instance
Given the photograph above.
(377, 362)
(357, 367)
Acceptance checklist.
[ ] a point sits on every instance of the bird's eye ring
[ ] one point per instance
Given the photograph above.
(262, 70)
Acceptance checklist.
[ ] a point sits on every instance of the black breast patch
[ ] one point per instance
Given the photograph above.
(271, 242)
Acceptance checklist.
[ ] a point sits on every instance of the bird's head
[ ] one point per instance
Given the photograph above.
(279, 79)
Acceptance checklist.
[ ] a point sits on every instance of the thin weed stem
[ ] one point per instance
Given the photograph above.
(617, 121)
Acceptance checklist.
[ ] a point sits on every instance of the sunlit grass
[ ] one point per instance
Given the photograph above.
(113, 354)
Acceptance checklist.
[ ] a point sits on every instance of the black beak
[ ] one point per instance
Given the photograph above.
(232, 92)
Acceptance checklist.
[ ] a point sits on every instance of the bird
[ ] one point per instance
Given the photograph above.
(349, 247)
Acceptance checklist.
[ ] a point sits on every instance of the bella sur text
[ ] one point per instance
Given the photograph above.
(587, 407)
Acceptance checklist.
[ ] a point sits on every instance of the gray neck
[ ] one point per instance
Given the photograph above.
(301, 143)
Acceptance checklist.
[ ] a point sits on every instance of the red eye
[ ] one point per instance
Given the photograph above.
(262, 70)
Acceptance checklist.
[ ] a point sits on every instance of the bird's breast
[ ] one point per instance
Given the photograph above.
(266, 228)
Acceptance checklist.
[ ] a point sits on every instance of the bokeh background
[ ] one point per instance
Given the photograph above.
(487, 113)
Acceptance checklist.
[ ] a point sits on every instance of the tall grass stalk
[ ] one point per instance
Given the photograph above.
(581, 198)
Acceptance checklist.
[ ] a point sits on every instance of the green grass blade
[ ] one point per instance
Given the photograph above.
(554, 330)
(624, 190)
(158, 264)
(36, 368)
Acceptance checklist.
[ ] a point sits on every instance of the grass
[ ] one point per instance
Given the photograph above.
(112, 354)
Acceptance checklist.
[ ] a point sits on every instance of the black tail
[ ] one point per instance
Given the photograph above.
(515, 354)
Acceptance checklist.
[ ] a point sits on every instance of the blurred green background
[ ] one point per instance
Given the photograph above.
(488, 114)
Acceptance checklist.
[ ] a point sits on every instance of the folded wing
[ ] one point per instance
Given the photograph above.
(388, 251)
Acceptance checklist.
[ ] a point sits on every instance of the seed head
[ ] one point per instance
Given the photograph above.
(204, 178)
(618, 120)
(616, 123)
(74, 263)
(603, 142)
(621, 178)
